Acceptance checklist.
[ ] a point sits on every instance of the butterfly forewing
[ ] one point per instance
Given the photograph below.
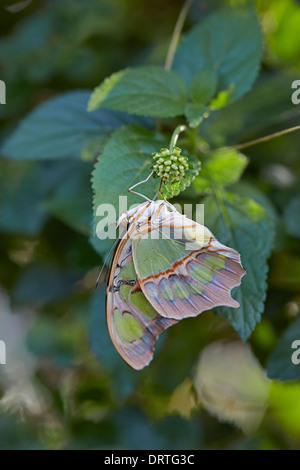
(133, 322)
(182, 269)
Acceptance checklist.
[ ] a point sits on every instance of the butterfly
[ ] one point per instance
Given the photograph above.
(165, 267)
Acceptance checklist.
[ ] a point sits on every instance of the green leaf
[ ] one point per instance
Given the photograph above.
(71, 199)
(124, 162)
(204, 85)
(195, 114)
(220, 168)
(246, 189)
(282, 39)
(230, 42)
(268, 103)
(246, 226)
(170, 190)
(279, 364)
(232, 385)
(292, 217)
(42, 282)
(61, 128)
(23, 186)
(145, 91)
(46, 340)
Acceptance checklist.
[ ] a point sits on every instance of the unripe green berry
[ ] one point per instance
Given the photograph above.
(170, 166)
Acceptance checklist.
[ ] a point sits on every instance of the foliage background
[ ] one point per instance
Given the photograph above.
(64, 386)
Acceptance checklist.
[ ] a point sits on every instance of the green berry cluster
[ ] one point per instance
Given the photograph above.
(170, 166)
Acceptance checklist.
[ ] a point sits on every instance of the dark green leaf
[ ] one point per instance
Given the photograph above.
(23, 187)
(46, 340)
(42, 282)
(204, 85)
(280, 365)
(292, 217)
(268, 103)
(230, 42)
(145, 91)
(71, 200)
(195, 114)
(246, 226)
(62, 128)
(125, 161)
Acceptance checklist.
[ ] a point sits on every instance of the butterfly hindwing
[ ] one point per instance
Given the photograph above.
(183, 270)
(133, 323)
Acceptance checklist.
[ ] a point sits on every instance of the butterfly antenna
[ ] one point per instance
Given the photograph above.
(158, 190)
(104, 263)
(137, 184)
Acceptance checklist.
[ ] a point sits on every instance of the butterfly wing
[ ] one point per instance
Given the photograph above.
(182, 269)
(133, 323)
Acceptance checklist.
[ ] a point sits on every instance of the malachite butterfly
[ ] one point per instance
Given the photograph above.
(166, 267)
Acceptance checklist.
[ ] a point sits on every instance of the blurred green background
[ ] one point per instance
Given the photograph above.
(64, 386)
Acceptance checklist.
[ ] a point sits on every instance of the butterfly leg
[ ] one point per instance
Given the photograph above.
(137, 184)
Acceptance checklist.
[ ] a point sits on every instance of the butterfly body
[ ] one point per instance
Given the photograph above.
(166, 267)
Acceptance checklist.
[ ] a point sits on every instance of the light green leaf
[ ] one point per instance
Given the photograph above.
(285, 406)
(145, 91)
(220, 168)
(246, 226)
(61, 128)
(230, 42)
(246, 189)
(282, 36)
(280, 365)
(232, 385)
(204, 85)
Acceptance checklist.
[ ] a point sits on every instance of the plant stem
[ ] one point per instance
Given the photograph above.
(175, 135)
(176, 33)
(174, 43)
(266, 138)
